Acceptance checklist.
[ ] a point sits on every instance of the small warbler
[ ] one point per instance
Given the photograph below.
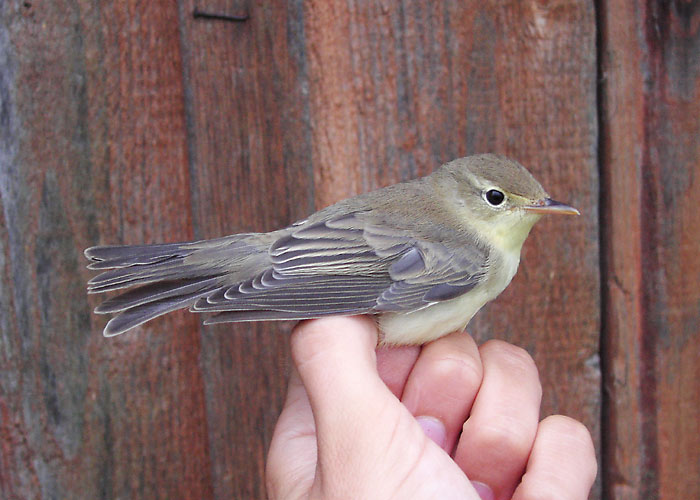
(422, 257)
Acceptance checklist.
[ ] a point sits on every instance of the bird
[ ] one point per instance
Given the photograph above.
(421, 257)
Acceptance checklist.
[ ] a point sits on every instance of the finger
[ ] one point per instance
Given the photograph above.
(336, 360)
(498, 436)
(442, 386)
(394, 364)
(368, 443)
(291, 461)
(296, 409)
(562, 463)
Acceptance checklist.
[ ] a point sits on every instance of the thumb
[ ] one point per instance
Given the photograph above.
(368, 442)
(353, 409)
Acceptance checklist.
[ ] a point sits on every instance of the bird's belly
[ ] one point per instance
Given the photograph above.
(430, 323)
(439, 319)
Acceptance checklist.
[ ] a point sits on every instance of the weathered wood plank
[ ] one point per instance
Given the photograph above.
(140, 123)
(394, 90)
(410, 85)
(97, 121)
(651, 111)
(249, 160)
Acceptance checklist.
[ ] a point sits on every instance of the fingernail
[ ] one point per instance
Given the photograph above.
(434, 429)
(483, 490)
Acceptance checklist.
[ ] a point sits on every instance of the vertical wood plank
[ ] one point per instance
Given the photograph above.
(622, 133)
(137, 123)
(251, 171)
(651, 111)
(96, 121)
(413, 84)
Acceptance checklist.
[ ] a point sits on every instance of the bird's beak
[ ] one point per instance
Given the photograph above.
(549, 206)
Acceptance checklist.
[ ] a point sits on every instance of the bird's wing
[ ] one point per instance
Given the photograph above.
(350, 264)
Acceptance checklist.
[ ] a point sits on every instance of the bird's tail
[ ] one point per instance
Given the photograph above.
(166, 276)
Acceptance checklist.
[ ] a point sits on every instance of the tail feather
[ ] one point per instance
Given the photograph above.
(154, 292)
(122, 263)
(145, 312)
(117, 279)
(120, 255)
(164, 281)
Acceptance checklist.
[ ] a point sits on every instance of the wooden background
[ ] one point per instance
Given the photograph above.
(133, 122)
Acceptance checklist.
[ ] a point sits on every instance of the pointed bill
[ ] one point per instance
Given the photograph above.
(550, 206)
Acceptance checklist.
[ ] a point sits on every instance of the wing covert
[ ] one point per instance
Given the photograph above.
(353, 264)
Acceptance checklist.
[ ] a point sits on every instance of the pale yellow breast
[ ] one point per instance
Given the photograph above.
(441, 318)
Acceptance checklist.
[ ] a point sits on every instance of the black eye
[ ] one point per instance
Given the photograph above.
(495, 197)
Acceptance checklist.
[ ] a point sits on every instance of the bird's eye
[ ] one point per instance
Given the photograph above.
(494, 197)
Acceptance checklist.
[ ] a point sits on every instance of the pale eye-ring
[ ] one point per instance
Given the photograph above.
(494, 197)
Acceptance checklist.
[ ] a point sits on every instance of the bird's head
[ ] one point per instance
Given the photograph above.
(499, 198)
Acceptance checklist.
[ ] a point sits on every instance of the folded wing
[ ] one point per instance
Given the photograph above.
(348, 265)
(345, 264)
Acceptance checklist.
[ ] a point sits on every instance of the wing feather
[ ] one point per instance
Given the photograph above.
(351, 264)
(344, 264)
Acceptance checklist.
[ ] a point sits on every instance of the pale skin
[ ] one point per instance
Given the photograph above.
(448, 420)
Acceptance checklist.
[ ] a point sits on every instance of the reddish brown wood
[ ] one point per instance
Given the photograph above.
(134, 122)
(402, 88)
(249, 162)
(95, 99)
(651, 112)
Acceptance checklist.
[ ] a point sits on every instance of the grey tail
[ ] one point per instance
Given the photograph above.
(164, 278)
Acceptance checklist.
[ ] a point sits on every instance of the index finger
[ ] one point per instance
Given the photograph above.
(394, 365)
(498, 435)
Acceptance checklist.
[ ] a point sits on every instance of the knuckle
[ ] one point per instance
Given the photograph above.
(570, 427)
(540, 490)
(460, 371)
(514, 360)
(510, 354)
(578, 438)
(506, 438)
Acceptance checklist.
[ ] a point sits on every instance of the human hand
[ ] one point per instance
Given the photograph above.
(448, 420)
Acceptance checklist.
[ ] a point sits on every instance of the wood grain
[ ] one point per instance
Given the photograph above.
(135, 122)
(250, 171)
(651, 112)
(98, 130)
(434, 82)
